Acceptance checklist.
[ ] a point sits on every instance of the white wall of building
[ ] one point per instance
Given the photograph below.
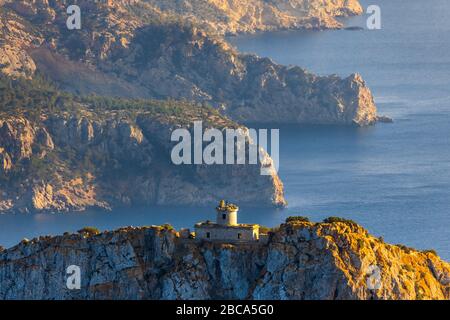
(225, 218)
(224, 233)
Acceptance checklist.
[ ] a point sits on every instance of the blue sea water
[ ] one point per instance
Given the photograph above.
(394, 179)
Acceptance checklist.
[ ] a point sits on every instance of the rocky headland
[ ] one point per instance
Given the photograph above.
(60, 153)
(301, 260)
(147, 49)
(249, 16)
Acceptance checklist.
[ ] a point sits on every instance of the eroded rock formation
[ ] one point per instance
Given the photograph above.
(69, 162)
(147, 49)
(237, 16)
(300, 261)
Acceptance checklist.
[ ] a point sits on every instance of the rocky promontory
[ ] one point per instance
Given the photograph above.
(248, 16)
(149, 50)
(62, 153)
(300, 260)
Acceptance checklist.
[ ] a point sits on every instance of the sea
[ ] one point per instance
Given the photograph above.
(393, 179)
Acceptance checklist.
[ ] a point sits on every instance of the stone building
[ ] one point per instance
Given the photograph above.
(226, 227)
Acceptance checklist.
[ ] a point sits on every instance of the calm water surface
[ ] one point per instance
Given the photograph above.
(392, 178)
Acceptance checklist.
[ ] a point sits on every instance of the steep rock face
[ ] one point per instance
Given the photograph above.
(237, 16)
(83, 159)
(16, 36)
(121, 53)
(300, 261)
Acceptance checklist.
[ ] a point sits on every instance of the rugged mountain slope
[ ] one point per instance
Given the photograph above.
(60, 153)
(236, 16)
(300, 261)
(136, 50)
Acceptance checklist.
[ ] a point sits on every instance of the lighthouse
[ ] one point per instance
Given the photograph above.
(227, 214)
(226, 228)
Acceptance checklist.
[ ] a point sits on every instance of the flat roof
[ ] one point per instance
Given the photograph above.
(219, 226)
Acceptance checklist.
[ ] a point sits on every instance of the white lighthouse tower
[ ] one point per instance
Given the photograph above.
(227, 214)
(226, 228)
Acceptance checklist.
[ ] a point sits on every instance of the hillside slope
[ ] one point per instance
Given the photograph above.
(237, 16)
(137, 51)
(60, 152)
(300, 261)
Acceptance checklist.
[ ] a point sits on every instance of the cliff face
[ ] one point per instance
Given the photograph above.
(237, 16)
(300, 261)
(71, 163)
(148, 50)
(76, 154)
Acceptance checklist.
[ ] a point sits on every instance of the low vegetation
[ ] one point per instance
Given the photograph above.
(341, 220)
(405, 248)
(431, 251)
(39, 96)
(264, 229)
(89, 231)
(167, 227)
(294, 219)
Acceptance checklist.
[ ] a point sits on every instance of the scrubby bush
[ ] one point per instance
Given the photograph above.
(430, 251)
(89, 231)
(264, 230)
(405, 248)
(338, 219)
(297, 219)
(167, 227)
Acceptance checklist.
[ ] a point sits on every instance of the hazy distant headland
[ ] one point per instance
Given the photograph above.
(142, 51)
(54, 160)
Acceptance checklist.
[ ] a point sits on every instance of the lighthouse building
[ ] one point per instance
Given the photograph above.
(226, 227)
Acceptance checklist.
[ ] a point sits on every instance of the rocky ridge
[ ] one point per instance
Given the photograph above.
(301, 260)
(249, 16)
(63, 154)
(141, 50)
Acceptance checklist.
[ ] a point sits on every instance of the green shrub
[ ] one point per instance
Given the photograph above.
(430, 251)
(89, 231)
(338, 219)
(297, 219)
(167, 227)
(264, 230)
(405, 248)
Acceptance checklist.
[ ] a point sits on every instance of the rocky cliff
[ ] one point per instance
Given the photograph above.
(301, 260)
(237, 16)
(59, 153)
(147, 50)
